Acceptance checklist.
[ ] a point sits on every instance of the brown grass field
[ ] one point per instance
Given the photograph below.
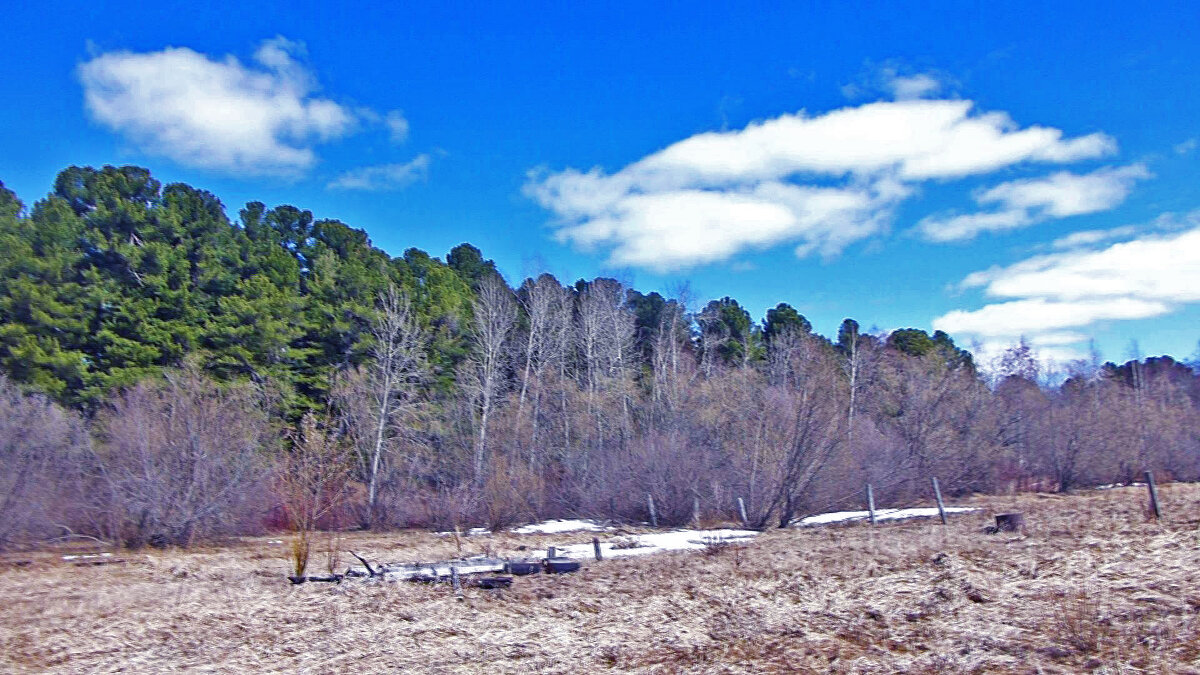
(1094, 585)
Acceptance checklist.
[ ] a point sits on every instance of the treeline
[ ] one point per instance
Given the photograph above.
(165, 368)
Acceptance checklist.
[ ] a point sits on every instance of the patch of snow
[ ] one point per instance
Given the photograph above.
(86, 556)
(1113, 486)
(880, 514)
(473, 532)
(560, 526)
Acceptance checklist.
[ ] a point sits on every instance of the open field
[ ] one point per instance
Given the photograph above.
(1093, 585)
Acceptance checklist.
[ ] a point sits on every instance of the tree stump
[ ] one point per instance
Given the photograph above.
(1010, 522)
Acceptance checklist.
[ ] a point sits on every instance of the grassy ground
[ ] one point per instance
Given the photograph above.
(1093, 585)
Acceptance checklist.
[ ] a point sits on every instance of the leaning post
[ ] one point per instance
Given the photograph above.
(871, 503)
(1153, 495)
(937, 492)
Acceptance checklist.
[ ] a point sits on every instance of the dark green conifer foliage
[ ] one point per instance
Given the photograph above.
(113, 277)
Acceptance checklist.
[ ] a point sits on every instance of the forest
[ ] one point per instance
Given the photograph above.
(169, 375)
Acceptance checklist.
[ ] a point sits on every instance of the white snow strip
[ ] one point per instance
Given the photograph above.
(560, 526)
(86, 556)
(473, 532)
(1113, 486)
(880, 514)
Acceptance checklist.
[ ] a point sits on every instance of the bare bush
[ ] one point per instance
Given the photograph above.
(40, 445)
(176, 458)
(313, 482)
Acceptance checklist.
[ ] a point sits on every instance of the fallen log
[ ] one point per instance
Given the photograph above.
(492, 582)
(440, 569)
(332, 578)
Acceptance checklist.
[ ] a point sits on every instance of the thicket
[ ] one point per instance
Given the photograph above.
(159, 360)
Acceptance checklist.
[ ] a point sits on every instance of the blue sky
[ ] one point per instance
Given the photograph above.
(991, 171)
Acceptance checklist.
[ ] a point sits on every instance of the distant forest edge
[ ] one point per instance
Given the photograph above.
(163, 369)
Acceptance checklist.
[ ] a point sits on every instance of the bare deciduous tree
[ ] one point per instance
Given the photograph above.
(546, 307)
(491, 327)
(815, 401)
(378, 401)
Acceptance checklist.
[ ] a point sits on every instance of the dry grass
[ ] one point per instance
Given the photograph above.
(1093, 585)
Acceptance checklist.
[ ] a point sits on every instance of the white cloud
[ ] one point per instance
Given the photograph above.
(1033, 316)
(397, 125)
(216, 114)
(1053, 298)
(1067, 194)
(1029, 201)
(821, 182)
(1092, 237)
(1186, 146)
(897, 80)
(960, 227)
(383, 177)
(908, 87)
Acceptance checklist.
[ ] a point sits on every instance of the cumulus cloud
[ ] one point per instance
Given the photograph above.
(1029, 201)
(820, 182)
(1052, 298)
(217, 114)
(383, 177)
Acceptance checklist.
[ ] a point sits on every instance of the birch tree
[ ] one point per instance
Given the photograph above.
(378, 401)
(495, 314)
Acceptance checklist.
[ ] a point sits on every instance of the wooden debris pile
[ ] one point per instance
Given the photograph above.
(472, 570)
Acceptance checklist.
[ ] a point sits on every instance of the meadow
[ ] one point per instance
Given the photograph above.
(1093, 584)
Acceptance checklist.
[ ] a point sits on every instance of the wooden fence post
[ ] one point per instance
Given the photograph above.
(742, 510)
(454, 580)
(696, 511)
(596, 547)
(1153, 495)
(653, 513)
(871, 503)
(937, 492)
